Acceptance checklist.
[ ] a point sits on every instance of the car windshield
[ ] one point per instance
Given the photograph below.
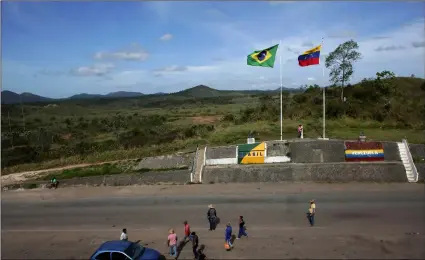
(134, 251)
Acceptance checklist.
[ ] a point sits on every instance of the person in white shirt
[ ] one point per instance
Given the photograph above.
(124, 235)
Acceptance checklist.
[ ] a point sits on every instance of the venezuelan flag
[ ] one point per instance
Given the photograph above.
(310, 57)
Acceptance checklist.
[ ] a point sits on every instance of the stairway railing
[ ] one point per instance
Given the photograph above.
(410, 158)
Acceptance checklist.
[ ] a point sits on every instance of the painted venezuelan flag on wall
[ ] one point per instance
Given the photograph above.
(251, 153)
(363, 151)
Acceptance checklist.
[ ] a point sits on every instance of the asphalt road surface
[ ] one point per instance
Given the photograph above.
(352, 220)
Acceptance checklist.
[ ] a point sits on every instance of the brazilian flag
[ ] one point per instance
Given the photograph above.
(263, 58)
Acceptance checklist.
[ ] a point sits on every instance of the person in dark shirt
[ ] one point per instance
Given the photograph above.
(212, 216)
(242, 229)
(195, 242)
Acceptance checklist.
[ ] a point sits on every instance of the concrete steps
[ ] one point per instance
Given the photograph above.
(408, 165)
(199, 164)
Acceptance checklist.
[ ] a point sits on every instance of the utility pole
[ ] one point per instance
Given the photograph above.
(22, 111)
(10, 128)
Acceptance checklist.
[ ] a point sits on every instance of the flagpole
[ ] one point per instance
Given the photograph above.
(324, 101)
(281, 85)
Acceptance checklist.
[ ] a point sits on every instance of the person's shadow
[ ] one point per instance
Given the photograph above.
(180, 247)
(233, 238)
(201, 254)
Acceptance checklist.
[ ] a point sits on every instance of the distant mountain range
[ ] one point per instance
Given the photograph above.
(201, 91)
(9, 97)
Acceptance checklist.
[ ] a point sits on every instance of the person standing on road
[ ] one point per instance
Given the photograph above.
(311, 212)
(212, 216)
(195, 242)
(186, 231)
(124, 235)
(172, 243)
(228, 235)
(242, 228)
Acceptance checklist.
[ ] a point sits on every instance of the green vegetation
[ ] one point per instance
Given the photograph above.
(340, 62)
(67, 132)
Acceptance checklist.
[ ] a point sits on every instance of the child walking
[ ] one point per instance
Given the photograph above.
(228, 235)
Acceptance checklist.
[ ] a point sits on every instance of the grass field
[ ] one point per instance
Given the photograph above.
(85, 131)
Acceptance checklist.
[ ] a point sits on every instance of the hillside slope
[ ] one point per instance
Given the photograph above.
(9, 97)
(400, 102)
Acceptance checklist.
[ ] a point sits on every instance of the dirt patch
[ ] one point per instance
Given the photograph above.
(29, 175)
(66, 136)
(205, 119)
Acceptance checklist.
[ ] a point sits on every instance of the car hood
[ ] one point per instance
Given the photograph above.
(149, 254)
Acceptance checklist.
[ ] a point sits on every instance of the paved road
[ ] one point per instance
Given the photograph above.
(350, 224)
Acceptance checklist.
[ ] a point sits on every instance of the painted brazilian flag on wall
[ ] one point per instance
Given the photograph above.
(251, 153)
(263, 58)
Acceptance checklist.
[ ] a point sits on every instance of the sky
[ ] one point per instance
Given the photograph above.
(58, 49)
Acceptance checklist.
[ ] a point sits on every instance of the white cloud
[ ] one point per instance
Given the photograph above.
(183, 69)
(390, 48)
(132, 53)
(166, 37)
(418, 44)
(132, 56)
(342, 34)
(172, 68)
(311, 79)
(99, 70)
(50, 72)
(281, 2)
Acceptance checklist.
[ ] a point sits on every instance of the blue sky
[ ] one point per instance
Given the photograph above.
(58, 49)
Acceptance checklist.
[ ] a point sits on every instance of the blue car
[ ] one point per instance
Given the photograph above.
(125, 250)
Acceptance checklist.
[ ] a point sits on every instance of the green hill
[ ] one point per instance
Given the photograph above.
(400, 102)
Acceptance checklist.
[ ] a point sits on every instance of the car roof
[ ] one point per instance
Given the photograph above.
(115, 245)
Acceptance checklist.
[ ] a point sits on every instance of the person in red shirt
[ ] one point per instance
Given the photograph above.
(186, 231)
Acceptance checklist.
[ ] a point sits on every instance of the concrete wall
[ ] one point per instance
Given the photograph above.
(330, 172)
(224, 161)
(166, 161)
(307, 151)
(277, 148)
(277, 159)
(221, 152)
(391, 152)
(317, 151)
(146, 178)
(166, 177)
(421, 171)
(417, 151)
